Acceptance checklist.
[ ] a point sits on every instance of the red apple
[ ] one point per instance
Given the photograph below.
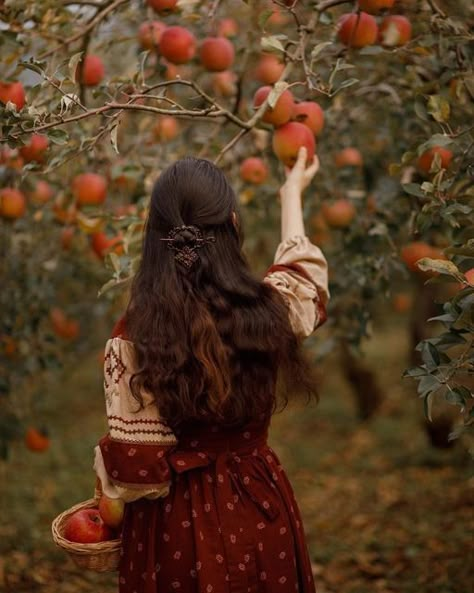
(35, 150)
(415, 251)
(269, 69)
(166, 128)
(394, 30)
(348, 157)
(281, 112)
(470, 276)
(288, 139)
(13, 92)
(149, 34)
(102, 244)
(339, 214)
(224, 83)
(425, 160)
(12, 203)
(111, 510)
(87, 527)
(254, 170)
(310, 114)
(373, 6)
(41, 193)
(357, 30)
(160, 5)
(93, 70)
(217, 54)
(228, 28)
(177, 45)
(89, 189)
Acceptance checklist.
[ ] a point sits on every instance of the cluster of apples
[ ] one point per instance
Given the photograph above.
(94, 525)
(13, 202)
(296, 124)
(362, 29)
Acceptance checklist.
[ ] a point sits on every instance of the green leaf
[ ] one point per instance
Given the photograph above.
(277, 90)
(420, 108)
(317, 49)
(73, 63)
(430, 355)
(346, 83)
(113, 137)
(448, 340)
(273, 44)
(439, 108)
(458, 396)
(57, 136)
(428, 405)
(413, 189)
(435, 140)
(34, 65)
(441, 266)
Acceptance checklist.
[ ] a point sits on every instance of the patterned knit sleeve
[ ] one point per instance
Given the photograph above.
(131, 459)
(299, 273)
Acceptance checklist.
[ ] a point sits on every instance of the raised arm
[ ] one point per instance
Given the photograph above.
(297, 180)
(299, 271)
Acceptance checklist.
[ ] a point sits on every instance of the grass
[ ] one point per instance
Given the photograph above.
(383, 511)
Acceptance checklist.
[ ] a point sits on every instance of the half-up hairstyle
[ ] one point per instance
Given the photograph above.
(210, 338)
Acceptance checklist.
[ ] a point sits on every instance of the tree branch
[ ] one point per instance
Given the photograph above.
(100, 16)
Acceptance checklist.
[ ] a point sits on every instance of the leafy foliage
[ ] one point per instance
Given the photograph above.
(391, 103)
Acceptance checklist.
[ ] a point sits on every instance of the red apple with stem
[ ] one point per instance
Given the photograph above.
(87, 527)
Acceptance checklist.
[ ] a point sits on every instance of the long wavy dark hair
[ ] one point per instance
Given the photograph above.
(211, 339)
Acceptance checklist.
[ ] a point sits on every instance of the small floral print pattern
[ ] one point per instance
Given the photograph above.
(229, 522)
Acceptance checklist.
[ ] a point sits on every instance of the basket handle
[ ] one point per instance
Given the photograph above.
(98, 489)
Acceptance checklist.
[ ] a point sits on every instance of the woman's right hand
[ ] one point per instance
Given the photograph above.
(299, 176)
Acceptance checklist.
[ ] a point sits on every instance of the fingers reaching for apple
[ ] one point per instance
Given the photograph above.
(299, 176)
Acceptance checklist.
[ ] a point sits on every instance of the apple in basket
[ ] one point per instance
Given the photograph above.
(87, 527)
(111, 510)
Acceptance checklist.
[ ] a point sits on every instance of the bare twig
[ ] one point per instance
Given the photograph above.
(230, 144)
(436, 9)
(100, 16)
(96, 3)
(213, 9)
(322, 6)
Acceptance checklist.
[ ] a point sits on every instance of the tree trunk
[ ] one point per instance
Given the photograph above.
(362, 381)
(424, 307)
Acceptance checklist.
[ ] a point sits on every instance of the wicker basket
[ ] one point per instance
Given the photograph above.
(100, 557)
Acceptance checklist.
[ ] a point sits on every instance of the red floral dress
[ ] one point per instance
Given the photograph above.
(209, 510)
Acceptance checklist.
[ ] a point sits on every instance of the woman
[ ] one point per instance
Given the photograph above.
(190, 385)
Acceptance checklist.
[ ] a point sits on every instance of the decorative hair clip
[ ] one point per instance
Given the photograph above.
(185, 240)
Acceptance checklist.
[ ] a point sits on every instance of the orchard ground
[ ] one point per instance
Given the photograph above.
(384, 512)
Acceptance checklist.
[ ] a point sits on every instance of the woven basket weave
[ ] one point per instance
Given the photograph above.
(100, 557)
